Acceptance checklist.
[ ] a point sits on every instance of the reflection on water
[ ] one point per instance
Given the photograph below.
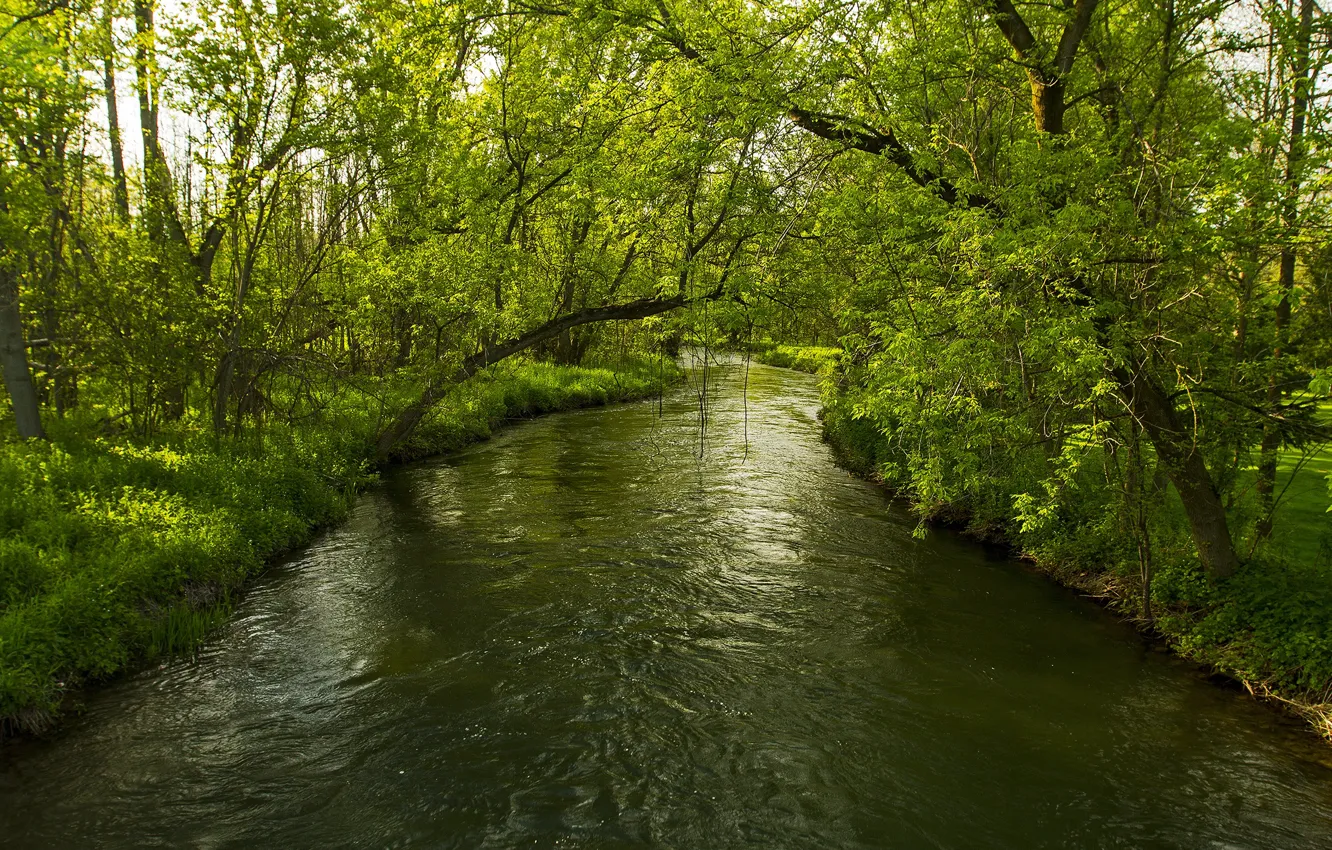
(583, 634)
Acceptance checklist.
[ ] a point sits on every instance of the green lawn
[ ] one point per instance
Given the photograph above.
(802, 358)
(1302, 528)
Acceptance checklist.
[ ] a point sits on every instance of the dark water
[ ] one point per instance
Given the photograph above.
(581, 635)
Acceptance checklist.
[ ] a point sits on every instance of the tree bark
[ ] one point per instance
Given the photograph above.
(1187, 470)
(120, 184)
(159, 200)
(1270, 447)
(222, 381)
(1046, 73)
(1271, 442)
(14, 361)
(566, 345)
(1047, 103)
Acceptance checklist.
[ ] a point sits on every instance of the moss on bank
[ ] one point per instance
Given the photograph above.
(115, 551)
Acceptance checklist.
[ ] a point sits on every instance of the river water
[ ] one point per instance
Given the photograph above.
(596, 630)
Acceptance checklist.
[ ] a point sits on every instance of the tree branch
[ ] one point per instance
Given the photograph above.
(1015, 30)
(407, 421)
(855, 134)
(1074, 30)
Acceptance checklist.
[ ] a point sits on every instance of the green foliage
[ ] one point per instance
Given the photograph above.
(1073, 258)
(1269, 624)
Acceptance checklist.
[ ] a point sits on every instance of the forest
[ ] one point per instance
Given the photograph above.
(1064, 268)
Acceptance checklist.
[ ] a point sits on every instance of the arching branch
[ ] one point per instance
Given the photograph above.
(857, 135)
(407, 421)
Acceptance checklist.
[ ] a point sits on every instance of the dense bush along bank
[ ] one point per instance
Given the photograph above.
(115, 551)
(1269, 626)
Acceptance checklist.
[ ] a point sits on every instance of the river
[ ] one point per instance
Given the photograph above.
(596, 630)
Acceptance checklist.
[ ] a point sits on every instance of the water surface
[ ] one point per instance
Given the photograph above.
(589, 633)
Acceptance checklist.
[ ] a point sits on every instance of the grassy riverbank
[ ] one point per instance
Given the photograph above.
(1269, 627)
(803, 358)
(115, 551)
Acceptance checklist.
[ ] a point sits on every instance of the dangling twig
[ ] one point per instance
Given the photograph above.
(749, 350)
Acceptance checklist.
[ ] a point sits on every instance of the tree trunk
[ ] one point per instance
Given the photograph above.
(226, 371)
(159, 211)
(1187, 470)
(564, 343)
(1138, 496)
(1047, 103)
(121, 186)
(404, 329)
(1271, 442)
(14, 361)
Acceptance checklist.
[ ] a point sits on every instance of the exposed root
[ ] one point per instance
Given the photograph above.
(1315, 709)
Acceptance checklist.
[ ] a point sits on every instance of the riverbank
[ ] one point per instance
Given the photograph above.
(1269, 628)
(814, 359)
(116, 551)
(587, 632)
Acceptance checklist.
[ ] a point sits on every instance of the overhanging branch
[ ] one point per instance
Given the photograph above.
(407, 421)
(857, 135)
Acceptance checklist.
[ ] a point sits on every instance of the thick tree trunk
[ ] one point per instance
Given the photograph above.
(14, 361)
(1048, 64)
(1187, 470)
(1047, 103)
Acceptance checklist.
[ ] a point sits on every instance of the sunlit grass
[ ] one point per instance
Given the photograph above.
(1302, 527)
(814, 359)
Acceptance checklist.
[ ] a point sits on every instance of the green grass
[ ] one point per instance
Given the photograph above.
(115, 551)
(1302, 527)
(803, 358)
